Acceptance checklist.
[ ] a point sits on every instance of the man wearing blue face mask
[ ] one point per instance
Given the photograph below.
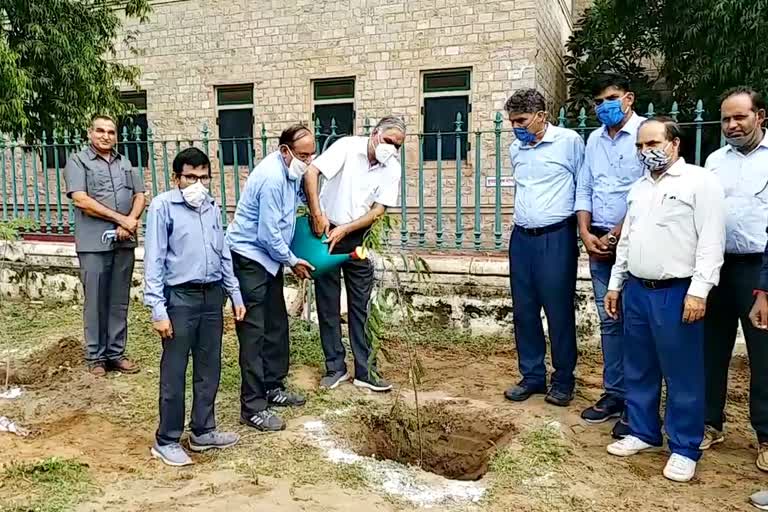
(260, 236)
(542, 250)
(610, 168)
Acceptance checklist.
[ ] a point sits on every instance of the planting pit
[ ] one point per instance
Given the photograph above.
(454, 443)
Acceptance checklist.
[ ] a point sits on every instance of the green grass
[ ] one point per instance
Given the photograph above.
(425, 335)
(50, 485)
(540, 451)
(26, 325)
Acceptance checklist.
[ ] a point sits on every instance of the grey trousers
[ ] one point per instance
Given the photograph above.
(106, 278)
(196, 315)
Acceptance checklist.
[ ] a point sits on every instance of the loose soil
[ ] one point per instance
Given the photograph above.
(463, 414)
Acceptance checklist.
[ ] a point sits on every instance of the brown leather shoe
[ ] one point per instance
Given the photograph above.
(124, 366)
(97, 370)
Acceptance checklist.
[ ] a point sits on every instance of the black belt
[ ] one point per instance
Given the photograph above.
(546, 229)
(198, 286)
(599, 232)
(755, 257)
(658, 284)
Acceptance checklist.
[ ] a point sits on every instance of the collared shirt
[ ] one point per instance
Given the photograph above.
(184, 245)
(745, 182)
(265, 219)
(545, 177)
(112, 183)
(610, 168)
(674, 228)
(354, 184)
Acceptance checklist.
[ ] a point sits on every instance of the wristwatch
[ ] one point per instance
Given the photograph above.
(612, 240)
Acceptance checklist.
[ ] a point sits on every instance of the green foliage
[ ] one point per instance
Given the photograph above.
(694, 48)
(9, 230)
(55, 63)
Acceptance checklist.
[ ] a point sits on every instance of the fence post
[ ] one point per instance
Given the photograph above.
(235, 172)
(439, 230)
(459, 146)
(70, 206)
(223, 193)
(46, 186)
(24, 181)
(4, 179)
(403, 196)
(650, 114)
(367, 127)
(562, 121)
(318, 134)
(478, 232)
(497, 206)
(582, 129)
(699, 120)
(59, 208)
(674, 112)
(422, 240)
(14, 197)
(264, 148)
(151, 158)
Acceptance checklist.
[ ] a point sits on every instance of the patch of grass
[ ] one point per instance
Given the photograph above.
(541, 451)
(50, 485)
(306, 347)
(26, 324)
(440, 338)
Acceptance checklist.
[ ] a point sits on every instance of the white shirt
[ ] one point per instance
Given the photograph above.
(745, 182)
(674, 228)
(353, 183)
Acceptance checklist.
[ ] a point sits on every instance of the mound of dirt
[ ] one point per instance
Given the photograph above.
(41, 367)
(454, 443)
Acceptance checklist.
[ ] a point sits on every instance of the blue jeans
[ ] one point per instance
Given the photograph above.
(611, 331)
(542, 273)
(660, 346)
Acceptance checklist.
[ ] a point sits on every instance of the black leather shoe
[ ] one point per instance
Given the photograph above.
(523, 392)
(559, 398)
(621, 428)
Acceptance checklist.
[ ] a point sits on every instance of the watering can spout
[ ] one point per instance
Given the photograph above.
(307, 246)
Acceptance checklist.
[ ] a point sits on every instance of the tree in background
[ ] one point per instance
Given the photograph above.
(690, 49)
(55, 67)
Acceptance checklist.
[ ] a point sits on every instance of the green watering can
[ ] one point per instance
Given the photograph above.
(308, 247)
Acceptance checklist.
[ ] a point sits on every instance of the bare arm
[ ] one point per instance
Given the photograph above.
(139, 203)
(312, 189)
(368, 219)
(92, 207)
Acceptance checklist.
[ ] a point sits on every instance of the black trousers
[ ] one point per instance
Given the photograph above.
(358, 280)
(198, 324)
(263, 334)
(729, 303)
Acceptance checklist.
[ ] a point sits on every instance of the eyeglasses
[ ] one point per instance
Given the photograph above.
(194, 179)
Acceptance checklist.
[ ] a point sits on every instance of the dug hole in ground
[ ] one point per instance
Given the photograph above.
(464, 447)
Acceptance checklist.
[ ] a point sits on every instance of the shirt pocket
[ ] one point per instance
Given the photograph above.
(99, 183)
(676, 207)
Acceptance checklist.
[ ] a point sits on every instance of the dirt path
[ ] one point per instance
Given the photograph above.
(98, 422)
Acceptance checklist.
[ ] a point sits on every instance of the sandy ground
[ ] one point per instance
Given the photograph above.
(100, 422)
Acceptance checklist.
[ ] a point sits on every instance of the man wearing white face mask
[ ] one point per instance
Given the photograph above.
(363, 176)
(667, 261)
(260, 236)
(187, 274)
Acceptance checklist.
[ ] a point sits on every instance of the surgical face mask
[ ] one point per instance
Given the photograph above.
(740, 141)
(655, 159)
(524, 134)
(195, 194)
(297, 168)
(610, 112)
(384, 151)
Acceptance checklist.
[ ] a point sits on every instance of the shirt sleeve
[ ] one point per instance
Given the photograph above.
(584, 184)
(390, 188)
(74, 176)
(138, 182)
(620, 269)
(577, 154)
(709, 219)
(268, 233)
(331, 161)
(155, 251)
(231, 284)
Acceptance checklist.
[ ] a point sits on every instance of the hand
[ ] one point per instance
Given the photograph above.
(320, 224)
(612, 304)
(302, 269)
(605, 242)
(759, 313)
(596, 247)
(239, 312)
(124, 234)
(163, 328)
(693, 309)
(129, 224)
(335, 236)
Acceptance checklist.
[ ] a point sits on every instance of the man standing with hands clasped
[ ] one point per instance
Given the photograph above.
(108, 196)
(667, 261)
(188, 271)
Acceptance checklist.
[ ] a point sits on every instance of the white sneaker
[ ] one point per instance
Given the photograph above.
(630, 445)
(679, 468)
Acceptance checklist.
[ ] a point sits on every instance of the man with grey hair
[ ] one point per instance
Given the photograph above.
(362, 179)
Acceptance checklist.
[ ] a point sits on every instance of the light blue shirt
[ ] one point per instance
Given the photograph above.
(184, 245)
(265, 219)
(610, 168)
(545, 177)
